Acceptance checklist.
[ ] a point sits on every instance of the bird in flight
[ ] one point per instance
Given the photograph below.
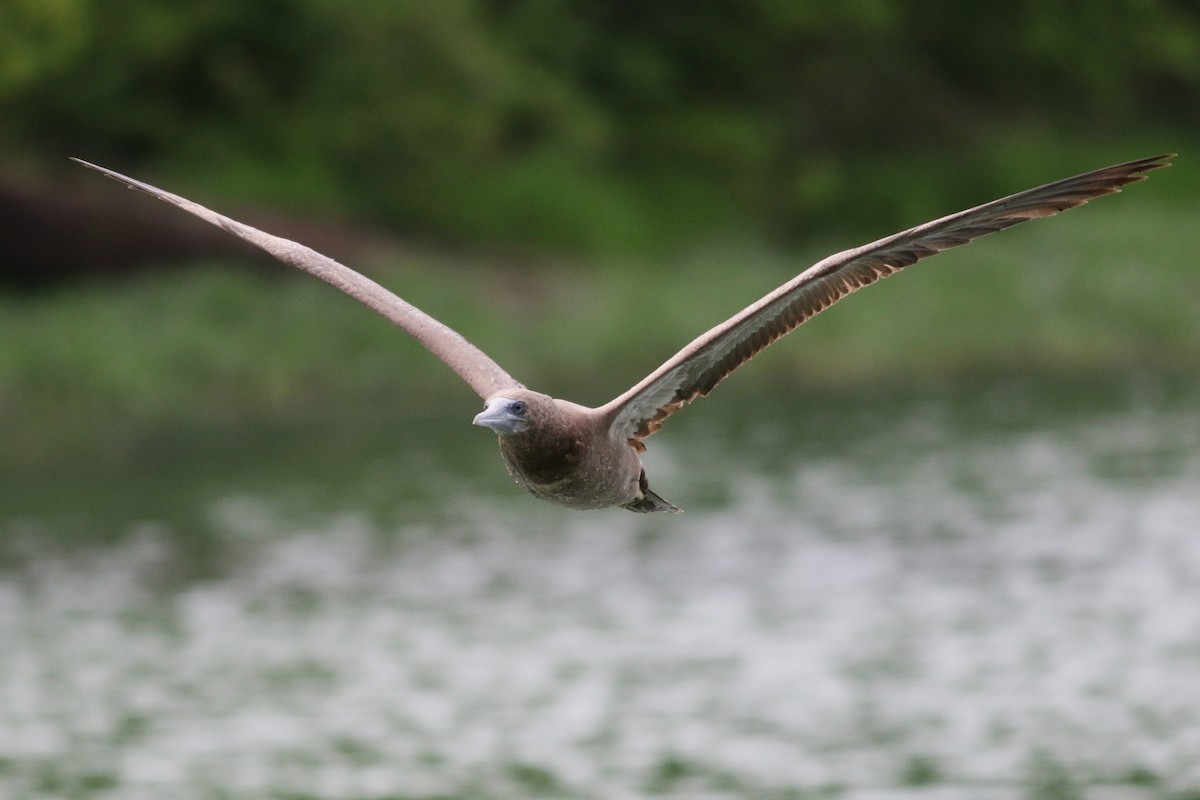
(585, 458)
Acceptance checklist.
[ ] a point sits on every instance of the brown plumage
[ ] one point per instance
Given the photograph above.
(583, 457)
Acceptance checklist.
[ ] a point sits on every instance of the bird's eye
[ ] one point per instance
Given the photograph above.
(519, 408)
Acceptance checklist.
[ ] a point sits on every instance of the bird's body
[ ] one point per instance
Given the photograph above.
(567, 453)
(586, 458)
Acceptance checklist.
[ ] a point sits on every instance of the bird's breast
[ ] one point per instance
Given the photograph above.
(574, 472)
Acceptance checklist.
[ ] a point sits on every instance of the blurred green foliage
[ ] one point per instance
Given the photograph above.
(577, 124)
(1076, 296)
(611, 131)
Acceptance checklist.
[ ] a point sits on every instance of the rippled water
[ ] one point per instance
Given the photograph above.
(995, 595)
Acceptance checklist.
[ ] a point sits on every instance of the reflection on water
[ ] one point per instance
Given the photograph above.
(994, 596)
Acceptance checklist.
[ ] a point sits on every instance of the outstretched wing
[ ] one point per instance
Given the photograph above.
(697, 368)
(469, 362)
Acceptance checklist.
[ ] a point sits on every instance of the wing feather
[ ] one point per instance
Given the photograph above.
(696, 369)
(469, 362)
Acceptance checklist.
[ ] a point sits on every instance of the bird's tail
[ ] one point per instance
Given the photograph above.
(649, 502)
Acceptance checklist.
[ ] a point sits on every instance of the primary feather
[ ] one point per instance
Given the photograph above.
(709, 359)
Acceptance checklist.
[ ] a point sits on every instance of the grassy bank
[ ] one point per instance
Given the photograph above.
(1110, 287)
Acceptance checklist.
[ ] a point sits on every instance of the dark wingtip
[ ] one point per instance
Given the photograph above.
(1144, 165)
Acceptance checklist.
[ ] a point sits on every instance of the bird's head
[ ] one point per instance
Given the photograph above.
(513, 412)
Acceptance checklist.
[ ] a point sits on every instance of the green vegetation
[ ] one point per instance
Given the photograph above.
(574, 125)
(645, 169)
(1107, 288)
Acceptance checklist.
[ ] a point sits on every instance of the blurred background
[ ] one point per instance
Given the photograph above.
(942, 542)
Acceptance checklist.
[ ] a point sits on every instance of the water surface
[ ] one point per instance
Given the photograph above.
(991, 593)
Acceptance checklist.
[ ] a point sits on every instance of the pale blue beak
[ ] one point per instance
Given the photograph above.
(501, 415)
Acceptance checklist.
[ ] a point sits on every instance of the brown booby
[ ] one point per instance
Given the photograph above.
(583, 457)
